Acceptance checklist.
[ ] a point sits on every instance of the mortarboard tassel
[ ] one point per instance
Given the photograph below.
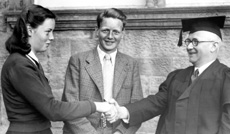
(180, 39)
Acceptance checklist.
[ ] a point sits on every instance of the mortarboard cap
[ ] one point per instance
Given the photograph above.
(210, 24)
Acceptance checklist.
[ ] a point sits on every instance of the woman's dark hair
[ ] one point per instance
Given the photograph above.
(34, 16)
(112, 13)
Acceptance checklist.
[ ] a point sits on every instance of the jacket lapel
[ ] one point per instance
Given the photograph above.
(197, 85)
(187, 91)
(120, 73)
(183, 80)
(94, 70)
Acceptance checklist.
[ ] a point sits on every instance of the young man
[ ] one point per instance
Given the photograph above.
(195, 100)
(102, 74)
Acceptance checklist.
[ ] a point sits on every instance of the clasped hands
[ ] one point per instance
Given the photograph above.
(112, 110)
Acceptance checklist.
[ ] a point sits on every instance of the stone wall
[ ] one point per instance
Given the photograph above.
(155, 48)
(3, 55)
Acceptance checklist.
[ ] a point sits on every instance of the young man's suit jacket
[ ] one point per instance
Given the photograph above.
(84, 81)
(202, 107)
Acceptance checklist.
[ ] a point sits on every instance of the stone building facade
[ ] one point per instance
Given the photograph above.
(151, 37)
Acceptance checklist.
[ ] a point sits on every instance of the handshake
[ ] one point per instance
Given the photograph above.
(112, 110)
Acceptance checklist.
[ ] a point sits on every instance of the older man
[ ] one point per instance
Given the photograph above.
(194, 100)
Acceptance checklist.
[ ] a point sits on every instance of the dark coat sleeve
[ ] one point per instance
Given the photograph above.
(34, 88)
(151, 106)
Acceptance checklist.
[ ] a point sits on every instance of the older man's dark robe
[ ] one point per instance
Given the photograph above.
(198, 107)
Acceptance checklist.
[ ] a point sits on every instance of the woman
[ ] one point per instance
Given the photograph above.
(27, 95)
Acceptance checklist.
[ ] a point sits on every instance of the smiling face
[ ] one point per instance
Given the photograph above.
(204, 52)
(110, 34)
(41, 37)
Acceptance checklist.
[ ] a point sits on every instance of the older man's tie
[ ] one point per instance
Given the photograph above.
(195, 75)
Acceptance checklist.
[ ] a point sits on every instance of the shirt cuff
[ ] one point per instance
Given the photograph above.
(125, 115)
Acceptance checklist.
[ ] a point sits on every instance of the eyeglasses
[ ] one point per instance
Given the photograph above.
(194, 42)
